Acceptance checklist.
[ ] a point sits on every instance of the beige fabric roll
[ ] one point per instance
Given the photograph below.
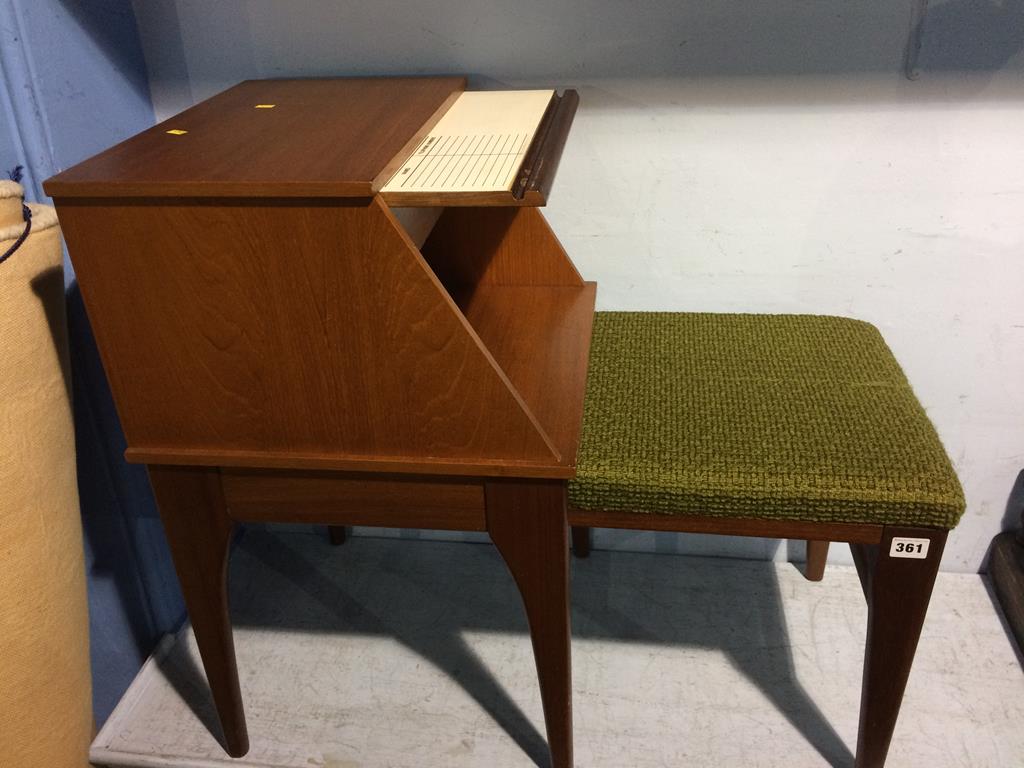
(10, 204)
(45, 687)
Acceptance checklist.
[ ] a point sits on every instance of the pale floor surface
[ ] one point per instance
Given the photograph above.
(412, 654)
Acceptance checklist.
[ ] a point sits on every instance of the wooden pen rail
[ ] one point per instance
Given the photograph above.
(545, 152)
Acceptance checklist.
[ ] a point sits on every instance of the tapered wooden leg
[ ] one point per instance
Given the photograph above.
(199, 532)
(864, 558)
(898, 588)
(580, 540)
(337, 534)
(817, 553)
(527, 522)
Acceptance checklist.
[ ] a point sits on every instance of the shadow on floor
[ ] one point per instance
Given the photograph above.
(426, 596)
(133, 594)
(1000, 612)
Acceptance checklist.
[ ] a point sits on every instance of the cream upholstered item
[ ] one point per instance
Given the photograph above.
(45, 690)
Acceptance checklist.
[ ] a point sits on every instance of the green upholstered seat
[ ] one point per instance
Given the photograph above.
(787, 417)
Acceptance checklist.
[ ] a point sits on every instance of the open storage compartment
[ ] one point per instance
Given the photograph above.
(520, 292)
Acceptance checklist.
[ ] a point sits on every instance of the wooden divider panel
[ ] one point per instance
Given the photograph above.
(497, 246)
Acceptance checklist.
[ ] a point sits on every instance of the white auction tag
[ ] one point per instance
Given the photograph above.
(907, 547)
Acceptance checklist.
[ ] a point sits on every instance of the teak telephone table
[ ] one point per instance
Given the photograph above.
(287, 342)
(281, 346)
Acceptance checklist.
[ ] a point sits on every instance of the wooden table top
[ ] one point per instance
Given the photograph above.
(245, 141)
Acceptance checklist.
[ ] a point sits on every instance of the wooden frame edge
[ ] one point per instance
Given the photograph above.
(857, 533)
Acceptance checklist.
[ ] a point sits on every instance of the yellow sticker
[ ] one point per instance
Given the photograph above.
(265, 106)
(177, 132)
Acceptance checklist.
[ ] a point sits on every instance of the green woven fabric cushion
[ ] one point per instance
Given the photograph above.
(793, 417)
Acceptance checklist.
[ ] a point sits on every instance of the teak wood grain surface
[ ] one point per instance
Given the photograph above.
(199, 532)
(294, 328)
(271, 138)
(330, 498)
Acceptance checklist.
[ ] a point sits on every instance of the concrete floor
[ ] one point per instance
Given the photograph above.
(404, 653)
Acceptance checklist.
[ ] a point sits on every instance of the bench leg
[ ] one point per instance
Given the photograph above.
(199, 533)
(527, 522)
(337, 534)
(898, 590)
(817, 553)
(580, 541)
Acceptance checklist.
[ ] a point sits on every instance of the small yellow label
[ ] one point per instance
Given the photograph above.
(177, 132)
(265, 106)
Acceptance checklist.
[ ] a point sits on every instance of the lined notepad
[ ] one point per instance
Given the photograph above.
(477, 146)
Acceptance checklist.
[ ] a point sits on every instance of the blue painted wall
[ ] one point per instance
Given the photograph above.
(74, 82)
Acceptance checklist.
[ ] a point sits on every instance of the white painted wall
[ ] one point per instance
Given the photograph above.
(760, 156)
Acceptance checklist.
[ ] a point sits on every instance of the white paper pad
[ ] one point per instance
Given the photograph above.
(477, 146)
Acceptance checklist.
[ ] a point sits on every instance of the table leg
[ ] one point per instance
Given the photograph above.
(580, 541)
(527, 522)
(199, 532)
(817, 553)
(898, 590)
